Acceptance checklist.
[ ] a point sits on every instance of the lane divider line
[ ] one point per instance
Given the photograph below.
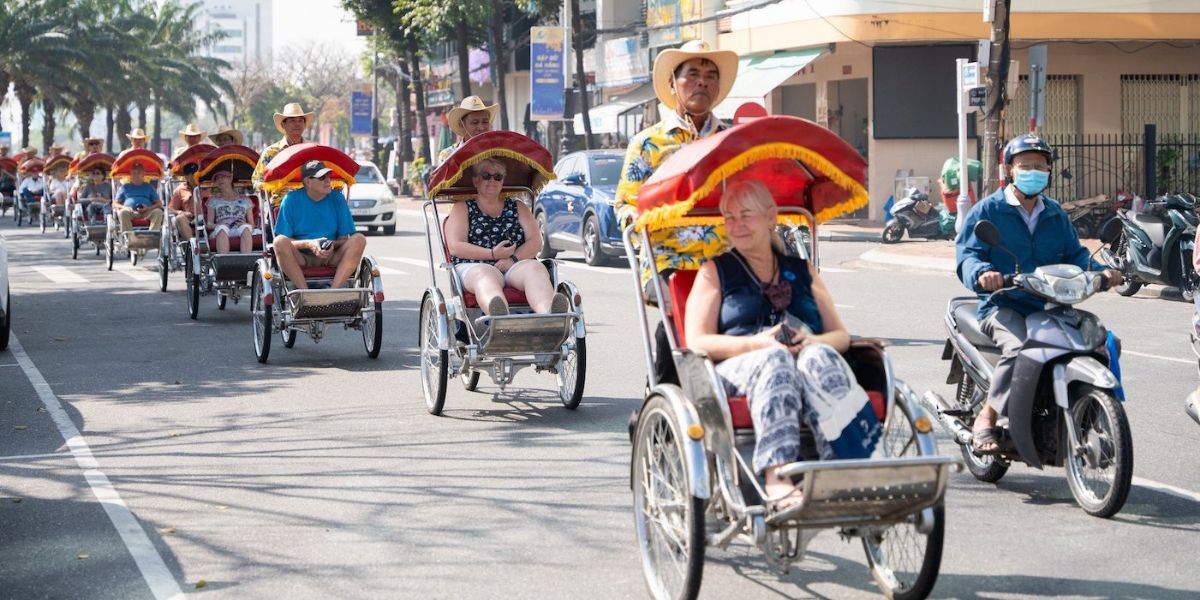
(406, 260)
(155, 572)
(60, 275)
(1165, 488)
(1186, 361)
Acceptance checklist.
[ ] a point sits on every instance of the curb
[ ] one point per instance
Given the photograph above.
(921, 262)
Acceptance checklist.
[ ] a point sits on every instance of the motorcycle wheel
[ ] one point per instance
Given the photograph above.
(985, 468)
(1186, 276)
(1099, 478)
(1120, 249)
(893, 232)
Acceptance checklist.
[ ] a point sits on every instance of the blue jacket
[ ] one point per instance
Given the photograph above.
(1053, 241)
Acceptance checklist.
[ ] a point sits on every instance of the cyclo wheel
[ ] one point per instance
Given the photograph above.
(111, 252)
(905, 561)
(260, 318)
(571, 373)
(193, 284)
(222, 300)
(372, 316)
(434, 361)
(164, 266)
(75, 246)
(668, 518)
(469, 379)
(1100, 478)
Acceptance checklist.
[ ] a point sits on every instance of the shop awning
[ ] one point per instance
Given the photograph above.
(758, 75)
(605, 117)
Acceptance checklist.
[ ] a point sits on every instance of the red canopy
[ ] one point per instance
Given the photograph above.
(138, 156)
(58, 161)
(527, 163)
(32, 165)
(241, 160)
(8, 164)
(190, 156)
(284, 170)
(803, 164)
(95, 160)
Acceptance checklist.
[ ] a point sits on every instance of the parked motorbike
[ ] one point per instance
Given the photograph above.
(1192, 404)
(1152, 248)
(1063, 406)
(919, 217)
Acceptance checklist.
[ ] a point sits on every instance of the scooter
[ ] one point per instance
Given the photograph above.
(1155, 248)
(915, 214)
(1063, 406)
(1192, 405)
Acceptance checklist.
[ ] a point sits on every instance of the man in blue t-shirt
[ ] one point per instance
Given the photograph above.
(138, 200)
(312, 217)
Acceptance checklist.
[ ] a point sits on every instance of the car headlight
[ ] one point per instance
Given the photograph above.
(386, 199)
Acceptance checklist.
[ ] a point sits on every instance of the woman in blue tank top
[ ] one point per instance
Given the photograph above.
(769, 323)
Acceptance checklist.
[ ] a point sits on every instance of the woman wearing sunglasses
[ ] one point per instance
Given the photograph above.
(493, 242)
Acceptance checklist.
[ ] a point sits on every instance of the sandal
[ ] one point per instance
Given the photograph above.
(988, 435)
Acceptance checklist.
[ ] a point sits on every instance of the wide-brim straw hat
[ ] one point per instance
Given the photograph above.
(137, 134)
(469, 105)
(292, 109)
(668, 60)
(93, 140)
(236, 134)
(191, 129)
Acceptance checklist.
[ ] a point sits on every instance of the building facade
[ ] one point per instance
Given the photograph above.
(247, 25)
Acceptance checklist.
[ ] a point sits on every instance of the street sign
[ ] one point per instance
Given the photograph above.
(977, 96)
(364, 28)
(360, 111)
(747, 112)
(6, 139)
(1037, 86)
(546, 80)
(970, 76)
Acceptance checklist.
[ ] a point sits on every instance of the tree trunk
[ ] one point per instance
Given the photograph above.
(997, 78)
(124, 126)
(5, 81)
(464, 57)
(25, 94)
(405, 109)
(157, 137)
(85, 113)
(48, 124)
(577, 27)
(141, 115)
(496, 34)
(419, 90)
(110, 123)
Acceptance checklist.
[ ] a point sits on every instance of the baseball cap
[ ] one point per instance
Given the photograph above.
(314, 168)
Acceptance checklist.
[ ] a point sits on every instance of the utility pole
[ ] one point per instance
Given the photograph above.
(577, 28)
(997, 77)
(375, 95)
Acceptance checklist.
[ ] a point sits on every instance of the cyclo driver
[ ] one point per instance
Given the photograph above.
(1036, 229)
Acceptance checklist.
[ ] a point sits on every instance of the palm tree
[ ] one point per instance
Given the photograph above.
(32, 34)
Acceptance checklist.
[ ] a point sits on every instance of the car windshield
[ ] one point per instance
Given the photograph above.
(368, 174)
(606, 169)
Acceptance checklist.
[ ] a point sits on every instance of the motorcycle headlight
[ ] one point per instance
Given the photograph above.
(1069, 290)
(1064, 284)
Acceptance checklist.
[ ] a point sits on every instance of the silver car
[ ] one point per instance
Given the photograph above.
(372, 203)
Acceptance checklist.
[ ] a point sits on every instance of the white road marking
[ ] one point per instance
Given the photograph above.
(162, 584)
(407, 261)
(837, 270)
(391, 271)
(842, 306)
(60, 275)
(579, 267)
(1186, 361)
(1167, 489)
(136, 273)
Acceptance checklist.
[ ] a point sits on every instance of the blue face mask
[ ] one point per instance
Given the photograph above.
(1031, 183)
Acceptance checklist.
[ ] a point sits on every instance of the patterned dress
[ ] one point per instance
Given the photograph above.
(681, 247)
(486, 231)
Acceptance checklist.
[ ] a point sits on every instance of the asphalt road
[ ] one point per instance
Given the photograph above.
(321, 475)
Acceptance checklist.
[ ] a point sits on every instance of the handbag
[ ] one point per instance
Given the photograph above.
(836, 408)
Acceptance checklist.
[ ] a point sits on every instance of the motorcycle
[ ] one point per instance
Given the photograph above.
(1155, 248)
(915, 214)
(1192, 404)
(1063, 406)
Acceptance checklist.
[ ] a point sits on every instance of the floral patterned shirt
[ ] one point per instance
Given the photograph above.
(261, 168)
(446, 152)
(682, 247)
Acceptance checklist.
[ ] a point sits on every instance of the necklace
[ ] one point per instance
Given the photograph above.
(777, 293)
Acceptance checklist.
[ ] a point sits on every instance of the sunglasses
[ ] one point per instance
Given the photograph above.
(491, 176)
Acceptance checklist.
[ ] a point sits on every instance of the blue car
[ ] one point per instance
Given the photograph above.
(575, 211)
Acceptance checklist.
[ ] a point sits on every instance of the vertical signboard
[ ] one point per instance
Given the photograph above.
(6, 139)
(626, 62)
(662, 18)
(546, 73)
(360, 110)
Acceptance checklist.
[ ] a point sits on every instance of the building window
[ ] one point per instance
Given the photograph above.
(1170, 102)
(227, 49)
(232, 33)
(1062, 107)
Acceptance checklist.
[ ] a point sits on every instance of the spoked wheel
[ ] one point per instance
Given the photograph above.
(75, 247)
(133, 257)
(42, 220)
(260, 317)
(892, 232)
(111, 252)
(905, 558)
(66, 226)
(1120, 249)
(222, 300)
(571, 373)
(985, 467)
(163, 271)
(288, 337)
(193, 284)
(669, 520)
(434, 361)
(469, 379)
(372, 316)
(1100, 477)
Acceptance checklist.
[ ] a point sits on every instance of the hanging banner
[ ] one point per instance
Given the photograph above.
(663, 13)
(546, 73)
(626, 62)
(360, 111)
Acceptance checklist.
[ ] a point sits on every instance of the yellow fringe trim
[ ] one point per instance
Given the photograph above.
(494, 152)
(675, 215)
(292, 181)
(232, 157)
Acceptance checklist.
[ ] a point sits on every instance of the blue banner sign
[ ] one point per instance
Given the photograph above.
(546, 73)
(360, 112)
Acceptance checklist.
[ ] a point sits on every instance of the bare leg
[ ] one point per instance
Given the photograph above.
(222, 242)
(289, 261)
(486, 282)
(247, 246)
(348, 256)
(532, 278)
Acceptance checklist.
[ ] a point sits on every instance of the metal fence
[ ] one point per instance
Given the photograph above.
(1091, 164)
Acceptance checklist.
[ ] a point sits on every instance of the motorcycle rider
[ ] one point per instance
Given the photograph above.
(1036, 229)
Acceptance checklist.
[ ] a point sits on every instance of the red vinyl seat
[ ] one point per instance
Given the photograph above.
(318, 272)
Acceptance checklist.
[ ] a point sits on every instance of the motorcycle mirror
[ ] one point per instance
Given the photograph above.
(1111, 230)
(987, 233)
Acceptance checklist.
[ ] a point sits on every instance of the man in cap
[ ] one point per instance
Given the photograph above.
(137, 137)
(138, 200)
(226, 136)
(314, 228)
(191, 135)
(688, 83)
(291, 123)
(467, 120)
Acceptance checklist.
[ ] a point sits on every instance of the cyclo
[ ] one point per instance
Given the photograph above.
(170, 249)
(8, 170)
(453, 337)
(85, 229)
(53, 213)
(206, 270)
(141, 238)
(28, 211)
(692, 442)
(275, 305)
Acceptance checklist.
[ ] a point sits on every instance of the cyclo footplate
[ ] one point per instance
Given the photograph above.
(233, 267)
(325, 304)
(526, 334)
(864, 491)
